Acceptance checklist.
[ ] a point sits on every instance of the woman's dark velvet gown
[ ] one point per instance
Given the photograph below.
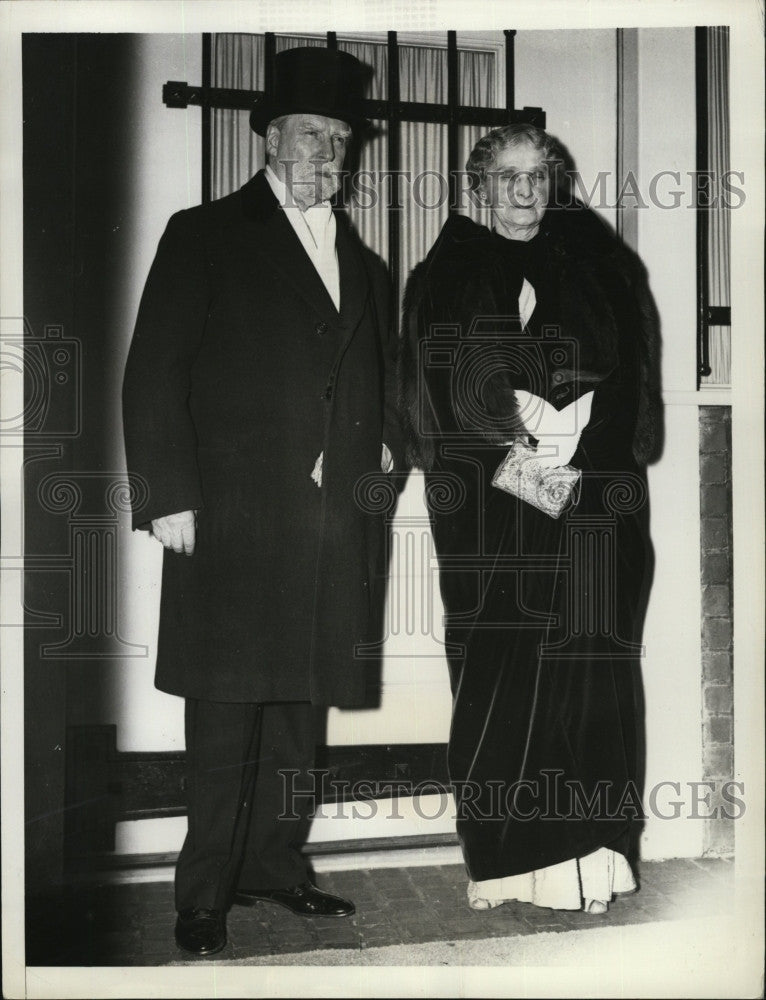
(542, 614)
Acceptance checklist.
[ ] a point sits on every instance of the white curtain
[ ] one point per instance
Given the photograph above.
(238, 153)
(372, 221)
(719, 223)
(423, 78)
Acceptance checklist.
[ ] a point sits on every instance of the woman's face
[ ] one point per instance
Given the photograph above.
(516, 188)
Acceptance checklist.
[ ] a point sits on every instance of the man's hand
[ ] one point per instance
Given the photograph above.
(176, 531)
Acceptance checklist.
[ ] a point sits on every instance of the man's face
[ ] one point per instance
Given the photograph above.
(306, 152)
(517, 190)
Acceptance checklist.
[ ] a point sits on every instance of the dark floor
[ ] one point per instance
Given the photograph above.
(102, 925)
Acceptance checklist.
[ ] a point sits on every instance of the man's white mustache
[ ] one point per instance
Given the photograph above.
(325, 175)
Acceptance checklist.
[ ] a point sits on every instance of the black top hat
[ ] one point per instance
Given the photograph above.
(317, 81)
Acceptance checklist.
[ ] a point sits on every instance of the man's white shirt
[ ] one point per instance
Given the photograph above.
(315, 228)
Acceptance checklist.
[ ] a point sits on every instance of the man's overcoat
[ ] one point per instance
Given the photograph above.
(241, 372)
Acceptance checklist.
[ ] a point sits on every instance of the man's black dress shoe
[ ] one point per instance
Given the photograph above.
(305, 900)
(201, 931)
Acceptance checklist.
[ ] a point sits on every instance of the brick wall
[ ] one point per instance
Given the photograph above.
(716, 579)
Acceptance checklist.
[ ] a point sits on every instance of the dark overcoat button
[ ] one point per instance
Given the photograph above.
(321, 329)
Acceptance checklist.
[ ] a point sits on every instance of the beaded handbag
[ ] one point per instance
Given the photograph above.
(523, 475)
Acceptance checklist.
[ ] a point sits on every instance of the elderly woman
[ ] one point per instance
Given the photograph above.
(528, 384)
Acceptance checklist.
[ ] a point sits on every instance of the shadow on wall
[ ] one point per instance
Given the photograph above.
(78, 145)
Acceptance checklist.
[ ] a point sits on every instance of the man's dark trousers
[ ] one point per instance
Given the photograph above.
(235, 796)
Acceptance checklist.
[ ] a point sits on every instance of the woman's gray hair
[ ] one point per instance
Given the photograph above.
(484, 154)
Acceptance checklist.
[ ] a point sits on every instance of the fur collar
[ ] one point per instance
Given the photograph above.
(603, 292)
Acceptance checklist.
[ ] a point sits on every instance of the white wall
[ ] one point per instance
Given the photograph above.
(572, 75)
(166, 175)
(667, 245)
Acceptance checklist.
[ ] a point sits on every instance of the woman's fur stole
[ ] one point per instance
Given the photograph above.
(603, 295)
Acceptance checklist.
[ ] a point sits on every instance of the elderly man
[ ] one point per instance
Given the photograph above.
(257, 396)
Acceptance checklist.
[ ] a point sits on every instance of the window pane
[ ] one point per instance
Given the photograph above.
(476, 78)
(374, 55)
(718, 217)
(423, 73)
